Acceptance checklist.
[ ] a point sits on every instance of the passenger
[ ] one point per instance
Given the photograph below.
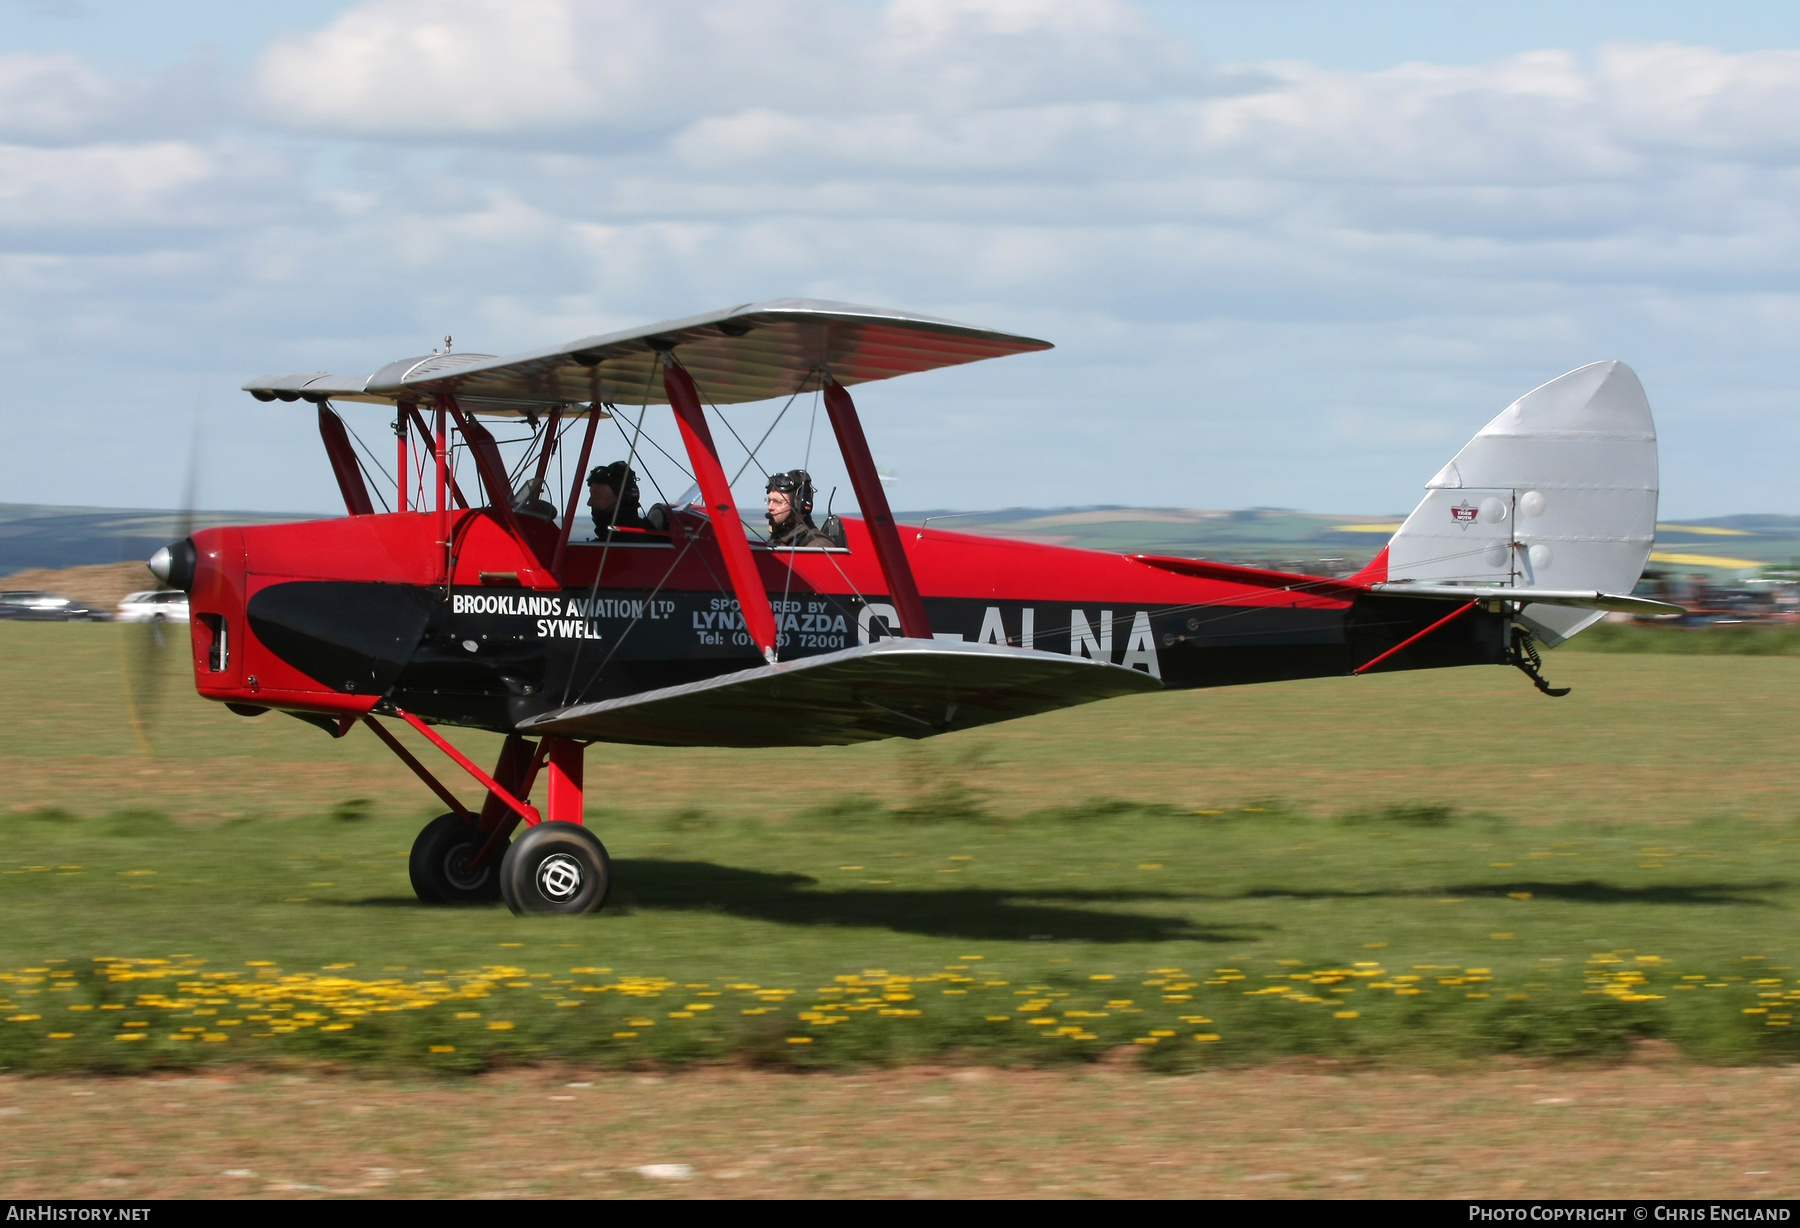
(790, 511)
(613, 496)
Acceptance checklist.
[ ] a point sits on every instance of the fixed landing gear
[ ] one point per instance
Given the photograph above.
(555, 869)
(439, 865)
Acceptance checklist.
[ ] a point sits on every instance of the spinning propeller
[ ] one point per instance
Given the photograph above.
(155, 649)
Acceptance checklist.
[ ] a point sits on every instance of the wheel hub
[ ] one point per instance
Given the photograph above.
(559, 877)
(458, 870)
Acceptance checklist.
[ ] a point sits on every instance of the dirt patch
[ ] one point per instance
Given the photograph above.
(100, 585)
(1495, 1131)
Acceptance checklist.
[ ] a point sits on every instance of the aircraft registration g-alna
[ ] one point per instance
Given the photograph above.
(474, 603)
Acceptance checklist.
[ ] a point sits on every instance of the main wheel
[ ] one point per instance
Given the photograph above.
(439, 866)
(555, 869)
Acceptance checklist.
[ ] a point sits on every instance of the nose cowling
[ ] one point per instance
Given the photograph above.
(174, 564)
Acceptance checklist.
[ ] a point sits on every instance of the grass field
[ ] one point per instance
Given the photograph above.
(1497, 1130)
(1403, 867)
(1728, 639)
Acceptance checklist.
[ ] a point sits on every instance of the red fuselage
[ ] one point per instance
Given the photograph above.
(341, 617)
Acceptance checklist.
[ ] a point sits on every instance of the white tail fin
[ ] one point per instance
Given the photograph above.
(1558, 492)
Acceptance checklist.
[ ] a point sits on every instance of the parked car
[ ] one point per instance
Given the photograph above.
(154, 605)
(45, 607)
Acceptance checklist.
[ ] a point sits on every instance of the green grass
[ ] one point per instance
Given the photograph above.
(1730, 639)
(1526, 859)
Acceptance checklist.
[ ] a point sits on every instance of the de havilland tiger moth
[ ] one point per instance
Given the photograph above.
(477, 604)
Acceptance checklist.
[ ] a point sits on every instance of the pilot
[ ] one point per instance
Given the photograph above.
(613, 496)
(790, 510)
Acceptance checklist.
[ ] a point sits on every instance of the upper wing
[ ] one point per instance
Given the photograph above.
(888, 689)
(752, 352)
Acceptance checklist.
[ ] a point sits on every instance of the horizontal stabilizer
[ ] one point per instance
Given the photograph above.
(1575, 599)
(893, 688)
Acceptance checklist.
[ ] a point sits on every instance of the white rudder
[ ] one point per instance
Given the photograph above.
(1558, 492)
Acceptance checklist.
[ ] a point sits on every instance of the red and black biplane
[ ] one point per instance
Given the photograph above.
(476, 603)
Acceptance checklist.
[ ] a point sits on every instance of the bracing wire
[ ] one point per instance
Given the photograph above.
(370, 477)
(748, 452)
(787, 585)
(765, 435)
(811, 427)
(619, 640)
(651, 440)
(618, 508)
(530, 453)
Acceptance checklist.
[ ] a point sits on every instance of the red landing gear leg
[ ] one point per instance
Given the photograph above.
(455, 859)
(513, 773)
(557, 867)
(565, 780)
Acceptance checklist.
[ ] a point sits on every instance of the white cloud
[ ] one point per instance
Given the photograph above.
(486, 67)
(473, 66)
(100, 184)
(1270, 283)
(1694, 99)
(53, 97)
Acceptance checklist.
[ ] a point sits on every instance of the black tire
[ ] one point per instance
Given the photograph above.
(439, 864)
(555, 869)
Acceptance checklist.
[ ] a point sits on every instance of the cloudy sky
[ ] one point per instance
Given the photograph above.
(1291, 252)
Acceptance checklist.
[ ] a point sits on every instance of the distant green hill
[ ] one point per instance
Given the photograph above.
(1317, 543)
(32, 535)
(1268, 537)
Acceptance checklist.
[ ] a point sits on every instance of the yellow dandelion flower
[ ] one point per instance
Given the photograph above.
(500, 1025)
(443, 1048)
(799, 1040)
